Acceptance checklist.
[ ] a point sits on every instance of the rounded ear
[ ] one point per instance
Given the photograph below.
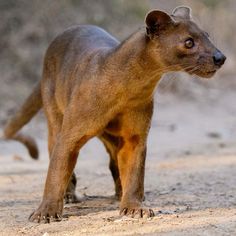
(182, 12)
(157, 21)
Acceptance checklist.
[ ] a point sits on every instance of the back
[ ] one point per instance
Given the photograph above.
(76, 44)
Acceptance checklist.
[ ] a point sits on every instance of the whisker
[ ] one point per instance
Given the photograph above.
(167, 85)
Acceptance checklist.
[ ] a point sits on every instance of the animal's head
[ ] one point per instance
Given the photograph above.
(179, 43)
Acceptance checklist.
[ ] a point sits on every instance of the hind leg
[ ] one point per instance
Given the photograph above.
(54, 126)
(70, 195)
(111, 144)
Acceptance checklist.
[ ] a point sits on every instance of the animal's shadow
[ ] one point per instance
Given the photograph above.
(91, 204)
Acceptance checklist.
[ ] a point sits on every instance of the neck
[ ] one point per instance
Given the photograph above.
(134, 66)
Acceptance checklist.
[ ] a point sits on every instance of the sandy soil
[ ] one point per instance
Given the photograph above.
(190, 178)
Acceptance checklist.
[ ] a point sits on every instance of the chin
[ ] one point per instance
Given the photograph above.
(205, 74)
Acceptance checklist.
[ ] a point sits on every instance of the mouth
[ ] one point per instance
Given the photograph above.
(205, 74)
(210, 73)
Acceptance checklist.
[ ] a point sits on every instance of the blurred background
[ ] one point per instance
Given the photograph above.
(191, 165)
(27, 28)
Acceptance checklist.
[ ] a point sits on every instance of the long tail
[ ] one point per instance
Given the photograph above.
(30, 107)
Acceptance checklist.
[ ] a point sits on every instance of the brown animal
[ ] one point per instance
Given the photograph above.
(94, 86)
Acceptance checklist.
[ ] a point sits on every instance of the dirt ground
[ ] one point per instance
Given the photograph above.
(190, 177)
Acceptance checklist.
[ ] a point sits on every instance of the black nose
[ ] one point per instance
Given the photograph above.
(219, 58)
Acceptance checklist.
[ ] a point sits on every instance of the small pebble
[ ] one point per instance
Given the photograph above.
(215, 135)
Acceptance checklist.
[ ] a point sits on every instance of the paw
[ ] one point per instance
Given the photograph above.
(47, 212)
(71, 198)
(137, 212)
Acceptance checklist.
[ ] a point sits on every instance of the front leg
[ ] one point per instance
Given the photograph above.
(78, 127)
(131, 161)
(60, 170)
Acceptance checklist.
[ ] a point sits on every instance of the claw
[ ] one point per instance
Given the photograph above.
(45, 215)
(30, 216)
(123, 211)
(58, 217)
(70, 198)
(141, 213)
(152, 213)
(132, 213)
(137, 213)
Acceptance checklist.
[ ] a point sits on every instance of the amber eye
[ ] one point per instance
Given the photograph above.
(189, 43)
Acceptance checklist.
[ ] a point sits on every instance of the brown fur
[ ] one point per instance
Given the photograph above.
(93, 85)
